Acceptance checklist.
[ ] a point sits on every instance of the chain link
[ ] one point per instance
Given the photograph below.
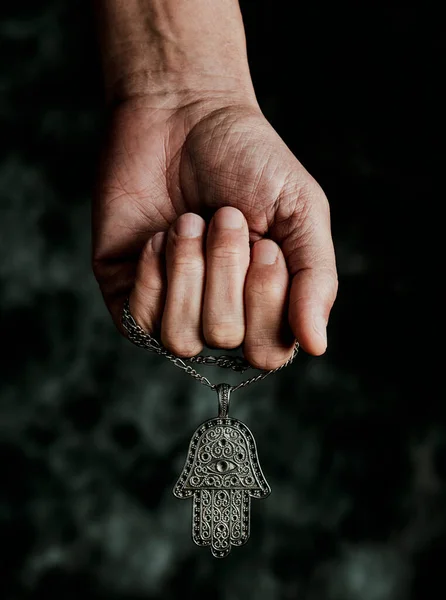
(139, 337)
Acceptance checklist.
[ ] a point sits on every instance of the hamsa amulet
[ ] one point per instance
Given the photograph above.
(222, 473)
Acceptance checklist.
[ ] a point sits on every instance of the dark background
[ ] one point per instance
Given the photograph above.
(94, 430)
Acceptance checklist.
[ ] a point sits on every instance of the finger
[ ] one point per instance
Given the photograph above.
(147, 297)
(269, 341)
(227, 260)
(308, 249)
(313, 292)
(185, 265)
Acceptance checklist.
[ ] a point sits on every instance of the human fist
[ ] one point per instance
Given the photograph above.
(261, 273)
(202, 285)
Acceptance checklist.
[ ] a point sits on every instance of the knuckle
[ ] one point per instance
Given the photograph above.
(184, 347)
(144, 316)
(266, 291)
(227, 255)
(225, 335)
(149, 287)
(145, 319)
(187, 264)
(265, 358)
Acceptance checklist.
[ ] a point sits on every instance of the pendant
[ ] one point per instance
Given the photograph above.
(222, 473)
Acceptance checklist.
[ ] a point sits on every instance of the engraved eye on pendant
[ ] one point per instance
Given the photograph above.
(221, 466)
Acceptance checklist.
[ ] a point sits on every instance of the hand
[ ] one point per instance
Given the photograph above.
(168, 170)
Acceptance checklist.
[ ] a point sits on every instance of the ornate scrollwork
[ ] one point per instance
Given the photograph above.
(222, 473)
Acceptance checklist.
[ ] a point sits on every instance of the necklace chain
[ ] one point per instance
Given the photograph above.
(141, 338)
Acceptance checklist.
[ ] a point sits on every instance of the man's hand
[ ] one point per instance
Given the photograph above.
(215, 230)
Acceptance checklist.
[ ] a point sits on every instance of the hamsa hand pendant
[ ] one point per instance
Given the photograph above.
(222, 473)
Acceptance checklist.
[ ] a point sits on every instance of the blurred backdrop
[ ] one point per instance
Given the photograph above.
(94, 430)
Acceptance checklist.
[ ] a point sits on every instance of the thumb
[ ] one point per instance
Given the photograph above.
(303, 230)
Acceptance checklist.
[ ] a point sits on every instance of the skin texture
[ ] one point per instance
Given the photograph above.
(208, 221)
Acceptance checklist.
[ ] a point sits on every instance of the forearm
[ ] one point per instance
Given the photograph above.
(165, 48)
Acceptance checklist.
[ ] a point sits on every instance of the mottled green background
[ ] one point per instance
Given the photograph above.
(93, 430)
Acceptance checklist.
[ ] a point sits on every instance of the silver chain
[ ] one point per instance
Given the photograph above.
(141, 338)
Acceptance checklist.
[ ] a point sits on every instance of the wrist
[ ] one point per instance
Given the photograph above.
(168, 49)
(175, 88)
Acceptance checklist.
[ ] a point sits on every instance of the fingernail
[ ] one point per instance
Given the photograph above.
(320, 326)
(190, 226)
(158, 241)
(265, 252)
(229, 218)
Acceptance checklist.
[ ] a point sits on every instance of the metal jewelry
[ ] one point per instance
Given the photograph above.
(222, 471)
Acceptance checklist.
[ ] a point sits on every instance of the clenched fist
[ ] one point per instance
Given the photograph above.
(214, 229)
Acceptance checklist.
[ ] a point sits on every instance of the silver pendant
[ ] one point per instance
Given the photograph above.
(222, 473)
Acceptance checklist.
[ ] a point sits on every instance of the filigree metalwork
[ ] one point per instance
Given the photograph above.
(222, 473)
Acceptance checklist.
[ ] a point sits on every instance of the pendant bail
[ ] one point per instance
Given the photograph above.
(223, 392)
